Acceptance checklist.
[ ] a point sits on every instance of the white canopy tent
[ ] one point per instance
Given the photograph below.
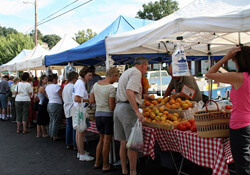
(205, 27)
(65, 43)
(32, 60)
(35, 60)
(11, 64)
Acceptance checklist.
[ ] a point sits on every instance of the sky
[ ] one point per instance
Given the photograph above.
(95, 15)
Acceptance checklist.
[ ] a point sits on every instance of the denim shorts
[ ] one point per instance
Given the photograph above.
(3, 101)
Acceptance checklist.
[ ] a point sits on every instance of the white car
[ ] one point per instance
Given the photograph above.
(155, 82)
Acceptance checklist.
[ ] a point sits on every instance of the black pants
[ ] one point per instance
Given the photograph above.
(240, 142)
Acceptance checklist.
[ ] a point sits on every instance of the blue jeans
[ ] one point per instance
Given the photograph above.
(240, 143)
(55, 115)
(70, 133)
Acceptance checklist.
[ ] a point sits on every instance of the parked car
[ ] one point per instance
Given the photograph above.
(155, 82)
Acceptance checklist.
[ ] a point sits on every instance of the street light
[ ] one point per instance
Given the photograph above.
(35, 4)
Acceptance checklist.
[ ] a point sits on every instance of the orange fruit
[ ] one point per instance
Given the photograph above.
(146, 114)
(161, 109)
(159, 100)
(146, 103)
(154, 102)
(172, 101)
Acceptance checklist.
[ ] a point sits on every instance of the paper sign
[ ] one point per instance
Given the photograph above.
(189, 92)
(179, 62)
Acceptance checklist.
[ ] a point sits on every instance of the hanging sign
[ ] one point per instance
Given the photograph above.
(179, 62)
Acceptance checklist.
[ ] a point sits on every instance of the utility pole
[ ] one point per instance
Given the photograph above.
(35, 22)
(35, 5)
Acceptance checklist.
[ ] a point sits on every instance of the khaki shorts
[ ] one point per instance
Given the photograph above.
(124, 120)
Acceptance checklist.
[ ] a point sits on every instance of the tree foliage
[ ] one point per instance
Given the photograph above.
(51, 40)
(39, 35)
(5, 31)
(13, 44)
(157, 10)
(83, 36)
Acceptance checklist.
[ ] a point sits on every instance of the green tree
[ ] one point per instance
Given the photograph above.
(51, 40)
(5, 31)
(83, 36)
(157, 10)
(39, 35)
(13, 44)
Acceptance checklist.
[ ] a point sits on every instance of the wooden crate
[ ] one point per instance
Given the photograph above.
(160, 125)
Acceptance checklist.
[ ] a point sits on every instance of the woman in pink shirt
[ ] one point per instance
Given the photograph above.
(240, 98)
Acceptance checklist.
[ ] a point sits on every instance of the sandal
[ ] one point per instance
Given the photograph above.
(26, 131)
(18, 132)
(111, 168)
(97, 167)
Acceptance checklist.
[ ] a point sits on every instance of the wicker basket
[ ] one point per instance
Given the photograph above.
(212, 123)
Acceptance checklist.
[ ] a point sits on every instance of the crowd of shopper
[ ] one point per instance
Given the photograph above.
(116, 110)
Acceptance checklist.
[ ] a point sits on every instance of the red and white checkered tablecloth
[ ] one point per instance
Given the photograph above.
(148, 136)
(213, 153)
(149, 141)
(92, 127)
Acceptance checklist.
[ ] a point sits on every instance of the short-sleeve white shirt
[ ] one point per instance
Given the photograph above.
(23, 89)
(80, 90)
(52, 92)
(102, 94)
(130, 79)
(67, 99)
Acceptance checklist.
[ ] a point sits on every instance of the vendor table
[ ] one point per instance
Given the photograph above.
(214, 153)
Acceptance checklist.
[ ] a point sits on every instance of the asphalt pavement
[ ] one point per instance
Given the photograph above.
(24, 154)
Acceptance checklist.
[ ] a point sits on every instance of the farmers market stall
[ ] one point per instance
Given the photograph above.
(214, 153)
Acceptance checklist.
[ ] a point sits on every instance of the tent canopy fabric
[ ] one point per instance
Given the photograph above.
(10, 66)
(33, 59)
(64, 44)
(93, 51)
(204, 27)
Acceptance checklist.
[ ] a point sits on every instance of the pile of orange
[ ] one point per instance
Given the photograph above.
(159, 115)
(169, 103)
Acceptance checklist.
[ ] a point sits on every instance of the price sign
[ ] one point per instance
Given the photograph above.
(189, 92)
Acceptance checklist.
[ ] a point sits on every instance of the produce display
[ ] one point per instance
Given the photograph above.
(169, 103)
(164, 112)
(188, 125)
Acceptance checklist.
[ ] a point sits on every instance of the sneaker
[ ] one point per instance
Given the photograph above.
(78, 154)
(85, 157)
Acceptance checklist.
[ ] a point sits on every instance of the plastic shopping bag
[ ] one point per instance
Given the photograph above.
(79, 118)
(135, 140)
(179, 62)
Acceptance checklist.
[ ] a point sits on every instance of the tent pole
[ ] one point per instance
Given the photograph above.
(107, 56)
(109, 61)
(239, 38)
(210, 83)
(160, 78)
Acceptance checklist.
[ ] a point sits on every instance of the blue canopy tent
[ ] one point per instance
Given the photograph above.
(93, 51)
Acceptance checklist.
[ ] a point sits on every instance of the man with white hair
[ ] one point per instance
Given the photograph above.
(126, 113)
